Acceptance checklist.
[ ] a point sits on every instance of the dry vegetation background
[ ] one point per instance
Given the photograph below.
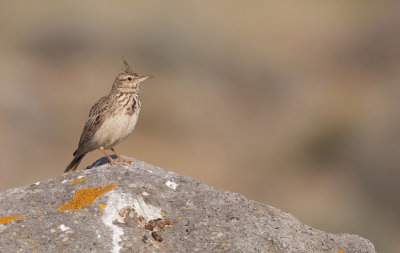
(292, 103)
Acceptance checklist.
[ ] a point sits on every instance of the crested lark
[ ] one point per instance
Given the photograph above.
(112, 118)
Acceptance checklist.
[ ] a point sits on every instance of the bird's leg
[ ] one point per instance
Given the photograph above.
(120, 157)
(112, 161)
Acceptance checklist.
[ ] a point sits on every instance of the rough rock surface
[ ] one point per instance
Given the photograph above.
(137, 207)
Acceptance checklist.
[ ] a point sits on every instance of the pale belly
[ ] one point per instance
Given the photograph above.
(115, 129)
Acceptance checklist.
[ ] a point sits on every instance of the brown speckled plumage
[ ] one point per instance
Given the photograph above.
(112, 118)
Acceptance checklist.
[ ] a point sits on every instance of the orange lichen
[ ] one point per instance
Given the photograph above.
(7, 219)
(38, 211)
(179, 218)
(85, 197)
(25, 239)
(34, 246)
(101, 207)
(223, 244)
(78, 180)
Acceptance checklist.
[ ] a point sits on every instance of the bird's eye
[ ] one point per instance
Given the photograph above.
(129, 78)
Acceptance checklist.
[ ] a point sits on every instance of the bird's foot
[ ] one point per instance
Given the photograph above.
(113, 162)
(123, 160)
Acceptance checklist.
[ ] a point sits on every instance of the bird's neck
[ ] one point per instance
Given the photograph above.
(129, 100)
(125, 92)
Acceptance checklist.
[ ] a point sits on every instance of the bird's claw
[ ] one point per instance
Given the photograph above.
(123, 160)
(113, 162)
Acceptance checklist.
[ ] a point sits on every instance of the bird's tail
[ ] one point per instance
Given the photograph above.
(74, 164)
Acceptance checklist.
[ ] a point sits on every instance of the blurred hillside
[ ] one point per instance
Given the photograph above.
(294, 104)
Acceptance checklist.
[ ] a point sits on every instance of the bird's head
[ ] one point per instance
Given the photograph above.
(129, 81)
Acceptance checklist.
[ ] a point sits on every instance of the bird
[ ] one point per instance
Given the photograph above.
(112, 118)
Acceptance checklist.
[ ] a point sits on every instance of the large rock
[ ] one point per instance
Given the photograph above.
(137, 207)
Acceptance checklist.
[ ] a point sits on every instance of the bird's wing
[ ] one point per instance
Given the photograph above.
(96, 118)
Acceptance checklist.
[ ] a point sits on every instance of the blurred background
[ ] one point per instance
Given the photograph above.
(291, 103)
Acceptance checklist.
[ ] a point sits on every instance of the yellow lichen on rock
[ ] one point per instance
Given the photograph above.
(101, 207)
(78, 180)
(7, 219)
(85, 197)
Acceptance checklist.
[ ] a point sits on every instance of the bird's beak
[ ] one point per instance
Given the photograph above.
(143, 78)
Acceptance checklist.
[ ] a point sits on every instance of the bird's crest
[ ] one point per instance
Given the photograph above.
(128, 69)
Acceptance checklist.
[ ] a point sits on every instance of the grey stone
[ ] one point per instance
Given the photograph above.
(134, 216)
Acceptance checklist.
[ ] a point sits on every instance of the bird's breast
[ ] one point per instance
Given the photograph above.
(117, 126)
